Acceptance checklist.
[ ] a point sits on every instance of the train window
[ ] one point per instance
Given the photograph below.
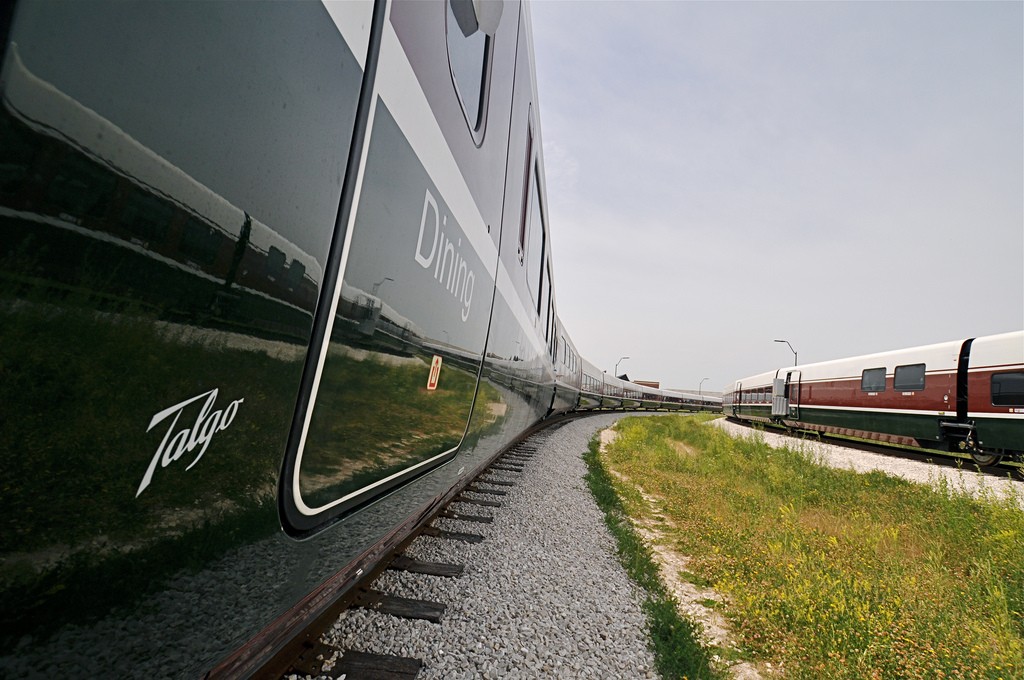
(873, 380)
(908, 378)
(535, 248)
(1008, 389)
(469, 50)
(554, 331)
(527, 196)
(546, 287)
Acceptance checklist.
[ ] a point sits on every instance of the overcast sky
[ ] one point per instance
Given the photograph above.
(845, 176)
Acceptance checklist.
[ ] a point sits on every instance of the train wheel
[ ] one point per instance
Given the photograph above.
(985, 458)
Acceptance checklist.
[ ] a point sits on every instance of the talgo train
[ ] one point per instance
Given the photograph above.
(275, 282)
(964, 396)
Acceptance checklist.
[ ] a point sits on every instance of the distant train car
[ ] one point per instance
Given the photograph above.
(965, 395)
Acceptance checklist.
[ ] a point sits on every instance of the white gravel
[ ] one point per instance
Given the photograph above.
(963, 479)
(543, 596)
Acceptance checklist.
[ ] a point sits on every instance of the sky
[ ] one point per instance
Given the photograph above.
(845, 176)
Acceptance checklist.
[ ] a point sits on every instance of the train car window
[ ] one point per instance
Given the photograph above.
(909, 378)
(527, 196)
(469, 59)
(872, 380)
(545, 291)
(546, 287)
(535, 248)
(1008, 389)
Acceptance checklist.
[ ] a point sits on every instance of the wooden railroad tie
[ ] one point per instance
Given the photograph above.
(506, 468)
(452, 535)
(480, 519)
(477, 501)
(363, 666)
(402, 607)
(473, 488)
(404, 563)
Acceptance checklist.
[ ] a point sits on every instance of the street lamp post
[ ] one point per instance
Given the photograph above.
(701, 385)
(616, 372)
(790, 349)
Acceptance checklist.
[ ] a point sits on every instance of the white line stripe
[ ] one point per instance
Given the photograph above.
(406, 101)
(300, 504)
(911, 412)
(353, 19)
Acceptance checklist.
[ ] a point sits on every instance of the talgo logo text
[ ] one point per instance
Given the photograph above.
(176, 442)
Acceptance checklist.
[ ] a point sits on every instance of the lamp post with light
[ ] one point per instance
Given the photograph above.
(616, 371)
(790, 349)
(701, 385)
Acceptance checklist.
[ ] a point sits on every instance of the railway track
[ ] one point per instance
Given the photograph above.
(310, 656)
(493, 583)
(950, 459)
(395, 623)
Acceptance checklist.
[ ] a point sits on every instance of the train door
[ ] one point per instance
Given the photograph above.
(793, 394)
(786, 396)
(405, 329)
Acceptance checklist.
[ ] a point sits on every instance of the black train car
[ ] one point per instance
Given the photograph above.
(274, 281)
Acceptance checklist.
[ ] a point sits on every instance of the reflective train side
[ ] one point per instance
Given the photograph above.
(275, 283)
(964, 396)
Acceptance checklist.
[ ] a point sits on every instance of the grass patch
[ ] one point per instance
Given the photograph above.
(678, 654)
(831, 573)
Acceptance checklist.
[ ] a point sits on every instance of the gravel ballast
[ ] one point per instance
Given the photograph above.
(543, 596)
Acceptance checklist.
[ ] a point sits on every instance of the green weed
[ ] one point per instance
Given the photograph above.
(831, 573)
(678, 653)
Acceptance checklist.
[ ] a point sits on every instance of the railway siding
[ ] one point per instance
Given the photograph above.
(844, 458)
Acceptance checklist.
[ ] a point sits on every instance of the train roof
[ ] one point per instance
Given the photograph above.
(941, 355)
